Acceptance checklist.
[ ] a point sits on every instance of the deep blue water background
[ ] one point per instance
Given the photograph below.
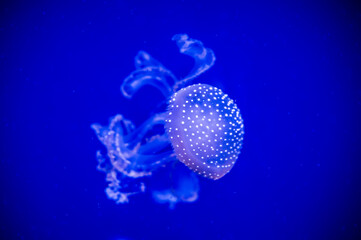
(294, 70)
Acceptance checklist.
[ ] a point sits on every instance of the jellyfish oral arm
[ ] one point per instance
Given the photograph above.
(151, 72)
(204, 58)
(128, 149)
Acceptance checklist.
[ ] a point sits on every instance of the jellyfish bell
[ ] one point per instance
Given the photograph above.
(205, 129)
(202, 128)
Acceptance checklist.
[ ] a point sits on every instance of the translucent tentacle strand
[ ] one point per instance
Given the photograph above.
(128, 151)
(149, 72)
(204, 58)
(129, 155)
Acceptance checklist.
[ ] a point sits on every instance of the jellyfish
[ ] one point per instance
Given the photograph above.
(198, 132)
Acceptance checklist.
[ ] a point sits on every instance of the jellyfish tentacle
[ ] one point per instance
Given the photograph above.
(151, 72)
(154, 76)
(120, 188)
(155, 145)
(147, 163)
(148, 72)
(117, 124)
(135, 137)
(184, 187)
(125, 151)
(204, 58)
(127, 125)
(144, 59)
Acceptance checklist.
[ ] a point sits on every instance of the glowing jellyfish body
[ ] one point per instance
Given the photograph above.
(206, 129)
(202, 128)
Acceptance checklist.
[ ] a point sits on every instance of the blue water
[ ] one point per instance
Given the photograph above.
(294, 70)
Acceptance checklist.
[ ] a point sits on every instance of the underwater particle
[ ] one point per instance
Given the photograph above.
(206, 129)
